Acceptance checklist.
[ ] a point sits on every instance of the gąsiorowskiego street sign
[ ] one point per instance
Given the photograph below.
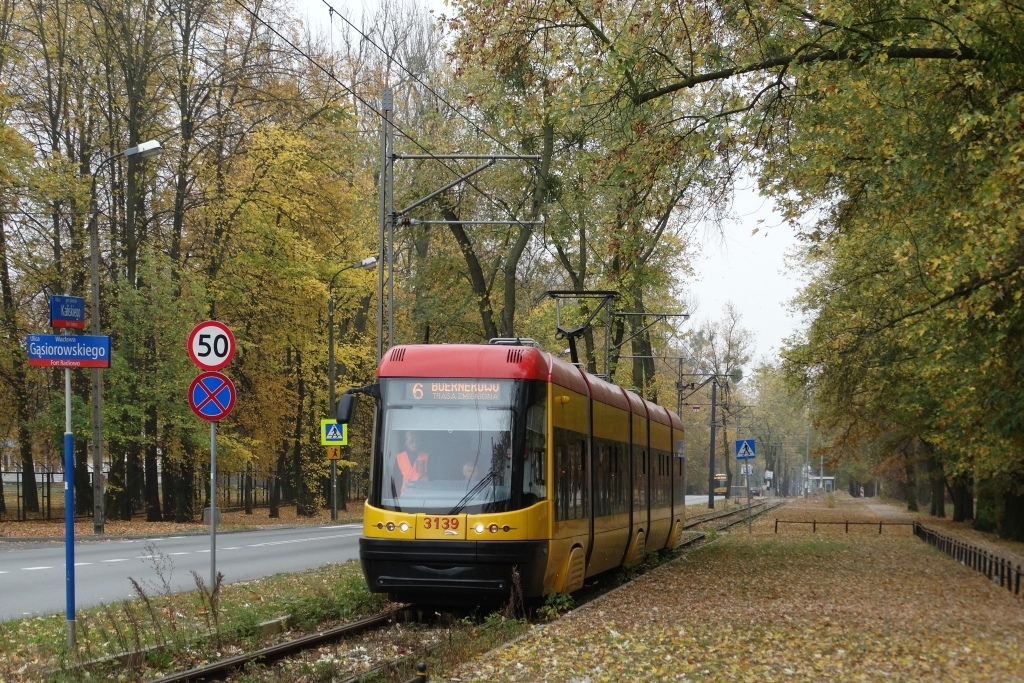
(68, 351)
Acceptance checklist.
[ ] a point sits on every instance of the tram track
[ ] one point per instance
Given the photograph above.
(709, 518)
(428, 639)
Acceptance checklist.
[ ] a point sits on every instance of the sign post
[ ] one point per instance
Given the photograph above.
(68, 351)
(211, 397)
(746, 449)
(334, 436)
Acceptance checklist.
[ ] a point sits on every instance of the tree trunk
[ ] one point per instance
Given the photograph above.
(477, 280)
(248, 488)
(169, 487)
(937, 481)
(19, 381)
(276, 484)
(1011, 523)
(963, 499)
(908, 465)
(152, 476)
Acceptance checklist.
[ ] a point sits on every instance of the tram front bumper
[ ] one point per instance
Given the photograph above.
(467, 571)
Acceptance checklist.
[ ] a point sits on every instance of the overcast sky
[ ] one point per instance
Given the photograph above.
(748, 270)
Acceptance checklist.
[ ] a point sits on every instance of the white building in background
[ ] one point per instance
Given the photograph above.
(818, 482)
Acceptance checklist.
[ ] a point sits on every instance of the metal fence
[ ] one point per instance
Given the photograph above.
(814, 524)
(50, 493)
(997, 569)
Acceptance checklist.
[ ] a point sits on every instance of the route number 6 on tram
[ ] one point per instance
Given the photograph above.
(211, 345)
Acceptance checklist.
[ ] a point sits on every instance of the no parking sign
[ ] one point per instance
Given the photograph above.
(211, 396)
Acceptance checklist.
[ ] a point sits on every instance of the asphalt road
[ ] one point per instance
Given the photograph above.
(32, 577)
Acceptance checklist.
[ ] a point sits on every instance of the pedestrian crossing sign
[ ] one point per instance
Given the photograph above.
(745, 449)
(333, 434)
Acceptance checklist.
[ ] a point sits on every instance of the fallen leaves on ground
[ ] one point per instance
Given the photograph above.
(797, 606)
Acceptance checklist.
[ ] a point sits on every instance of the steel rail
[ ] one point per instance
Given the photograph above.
(704, 520)
(268, 655)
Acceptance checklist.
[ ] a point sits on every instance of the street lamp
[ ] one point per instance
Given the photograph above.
(365, 264)
(146, 150)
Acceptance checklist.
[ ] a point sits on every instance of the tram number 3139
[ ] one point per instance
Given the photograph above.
(440, 522)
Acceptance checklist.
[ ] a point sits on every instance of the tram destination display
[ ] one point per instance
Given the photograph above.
(451, 391)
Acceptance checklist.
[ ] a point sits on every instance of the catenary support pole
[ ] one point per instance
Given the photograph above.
(711, 462)
(330, 391)
(69, 512)
(97, 381)
(389, 117)
(387, 102)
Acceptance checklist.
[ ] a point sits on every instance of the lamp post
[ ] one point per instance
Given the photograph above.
(365, 264)
(146, 150)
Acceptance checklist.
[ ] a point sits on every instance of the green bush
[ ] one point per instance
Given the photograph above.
(554, 605)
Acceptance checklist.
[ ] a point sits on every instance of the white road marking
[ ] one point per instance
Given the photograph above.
(4, 572)
(232, 548)
(120, 559)
(180, 553)
(82, 564)
(32, 569)
(202, 551)
(301, 540)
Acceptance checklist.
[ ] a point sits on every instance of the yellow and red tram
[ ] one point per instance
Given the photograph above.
(490, 459)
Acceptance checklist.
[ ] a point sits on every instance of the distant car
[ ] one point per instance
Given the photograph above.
(755, 491)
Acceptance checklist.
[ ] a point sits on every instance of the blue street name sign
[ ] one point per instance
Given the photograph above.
(67, 351)
(67, 311)
(745, 449)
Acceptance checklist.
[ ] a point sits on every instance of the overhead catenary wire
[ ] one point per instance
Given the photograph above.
(330, 74)
(454, 108)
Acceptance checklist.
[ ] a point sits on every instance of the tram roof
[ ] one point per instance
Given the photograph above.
(473, 361)
(465, 361)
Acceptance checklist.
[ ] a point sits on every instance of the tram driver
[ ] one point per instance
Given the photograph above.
(412, 462)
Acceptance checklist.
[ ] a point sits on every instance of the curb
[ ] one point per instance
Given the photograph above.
(142, 537)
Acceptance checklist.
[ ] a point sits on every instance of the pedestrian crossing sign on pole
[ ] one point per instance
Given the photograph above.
(333, 434)
(334, 452)
(745, 449)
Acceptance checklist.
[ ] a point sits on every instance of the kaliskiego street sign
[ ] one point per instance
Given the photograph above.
(67, 311)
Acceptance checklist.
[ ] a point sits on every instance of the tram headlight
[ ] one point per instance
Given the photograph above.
(479, 528)
(391, 526)
(494, 528)
(403, 527)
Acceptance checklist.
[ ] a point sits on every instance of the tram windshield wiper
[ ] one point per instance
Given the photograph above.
(480, 486)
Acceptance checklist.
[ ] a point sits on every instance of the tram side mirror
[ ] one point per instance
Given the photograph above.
(346, 404)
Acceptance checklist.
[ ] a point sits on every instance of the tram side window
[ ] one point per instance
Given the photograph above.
(534, 484)
(639, 477)
(571, 489)
(610, 478)
(661, 485)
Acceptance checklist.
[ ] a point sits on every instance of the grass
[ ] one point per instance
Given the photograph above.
(189, 628)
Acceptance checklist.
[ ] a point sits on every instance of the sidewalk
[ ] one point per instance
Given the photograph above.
(797, 606)
(230, 521)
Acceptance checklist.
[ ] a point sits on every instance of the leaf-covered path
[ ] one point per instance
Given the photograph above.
(796, 606)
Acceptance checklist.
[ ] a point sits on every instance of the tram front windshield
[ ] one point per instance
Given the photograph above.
(447, 445)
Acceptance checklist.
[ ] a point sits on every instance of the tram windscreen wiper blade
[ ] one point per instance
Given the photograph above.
(480, 486)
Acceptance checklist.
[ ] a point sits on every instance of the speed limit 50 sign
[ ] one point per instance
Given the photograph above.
(211, 345)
